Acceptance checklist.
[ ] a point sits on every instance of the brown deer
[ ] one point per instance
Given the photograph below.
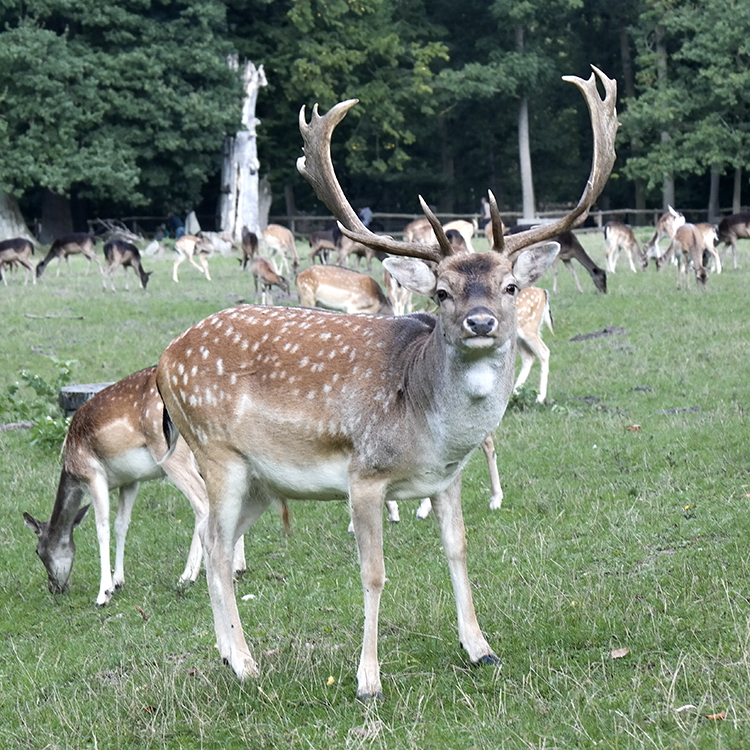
(70, 244)
(249, 246)
(532, 311)
(280, 241)
(17, 251)
(188, 247)
(619, 236)
(666, 226)
(266, 277)
(689, 244)
(115, 441)
(732, 228)
(570, 249)
(289, 402)
(343, 290)
(118, 253)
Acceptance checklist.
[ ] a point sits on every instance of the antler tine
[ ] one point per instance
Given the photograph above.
(604, 124)
(498, 228)
(317, 167)
(437, 228)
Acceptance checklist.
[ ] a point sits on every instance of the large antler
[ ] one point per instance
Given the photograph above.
(604, 124)
(317, 167)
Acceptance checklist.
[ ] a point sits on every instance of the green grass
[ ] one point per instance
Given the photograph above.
(608, 538)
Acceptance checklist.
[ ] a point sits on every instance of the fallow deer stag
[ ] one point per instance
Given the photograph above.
(619, 236)
(282, 403)
(667, 225)
(532, 311)
(115, 441)
(118, 253)
(17, 251)
(70, 244)
(733, 228)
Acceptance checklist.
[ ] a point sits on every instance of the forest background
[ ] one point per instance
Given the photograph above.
(115, 107)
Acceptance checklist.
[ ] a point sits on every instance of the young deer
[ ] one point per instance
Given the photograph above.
(280, 241)
(619, 236)
(288, 402)
(17, 251)
(266, 277)
(115, 441)
(667, 225)
(123, 253)
(187, 247)
(70, 244)
(690, 243)
(532, 311)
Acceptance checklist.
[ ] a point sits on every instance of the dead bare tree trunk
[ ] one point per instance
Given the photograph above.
(239, 199)
(12, 223)
(524, 147)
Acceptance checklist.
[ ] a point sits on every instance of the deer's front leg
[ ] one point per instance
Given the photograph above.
(447, 507)
(367, 518)
(233, 508)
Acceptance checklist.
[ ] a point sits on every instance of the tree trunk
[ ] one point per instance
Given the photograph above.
(524, 147)
(713, 195)
(57, 217)
(661, 74)
(737, 192)
(12, 223)
(239, 199)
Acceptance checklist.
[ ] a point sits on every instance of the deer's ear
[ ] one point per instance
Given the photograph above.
(413, 274)
(532, 263)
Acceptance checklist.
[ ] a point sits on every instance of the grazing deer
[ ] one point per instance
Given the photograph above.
(187, 248)
(349, 247)
(689, 244)
(532, 311)
(115, 441)
(570, 249)
(295, 403)
(343, 290)
(123, 253)
(667, 225)
(17, 251)
(249, 246)
(70, 244)
(280, 241)
(266, 277)
(733, 228)
(618, 236)
(421, 231)
(323, 242)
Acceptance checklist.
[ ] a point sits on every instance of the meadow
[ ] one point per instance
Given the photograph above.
(614, 583)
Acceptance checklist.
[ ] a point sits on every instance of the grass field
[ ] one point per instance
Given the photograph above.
(625, 525)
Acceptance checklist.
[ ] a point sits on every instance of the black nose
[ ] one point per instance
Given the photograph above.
(480, 322)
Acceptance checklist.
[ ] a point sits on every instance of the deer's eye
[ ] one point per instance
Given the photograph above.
(511, 289)
(442, 295)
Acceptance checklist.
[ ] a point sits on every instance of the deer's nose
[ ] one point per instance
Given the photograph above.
(480, 322)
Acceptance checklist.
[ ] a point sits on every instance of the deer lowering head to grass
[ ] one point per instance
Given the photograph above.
(280, 242)
(118, 253)
(280, 403)
(666, 226)
(619, 236)
(115, 441)
(17, 251)
(70, 244)
(732, 228)
(689, 245)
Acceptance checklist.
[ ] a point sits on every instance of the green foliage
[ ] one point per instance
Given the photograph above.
(129, 102)
(35, 399)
